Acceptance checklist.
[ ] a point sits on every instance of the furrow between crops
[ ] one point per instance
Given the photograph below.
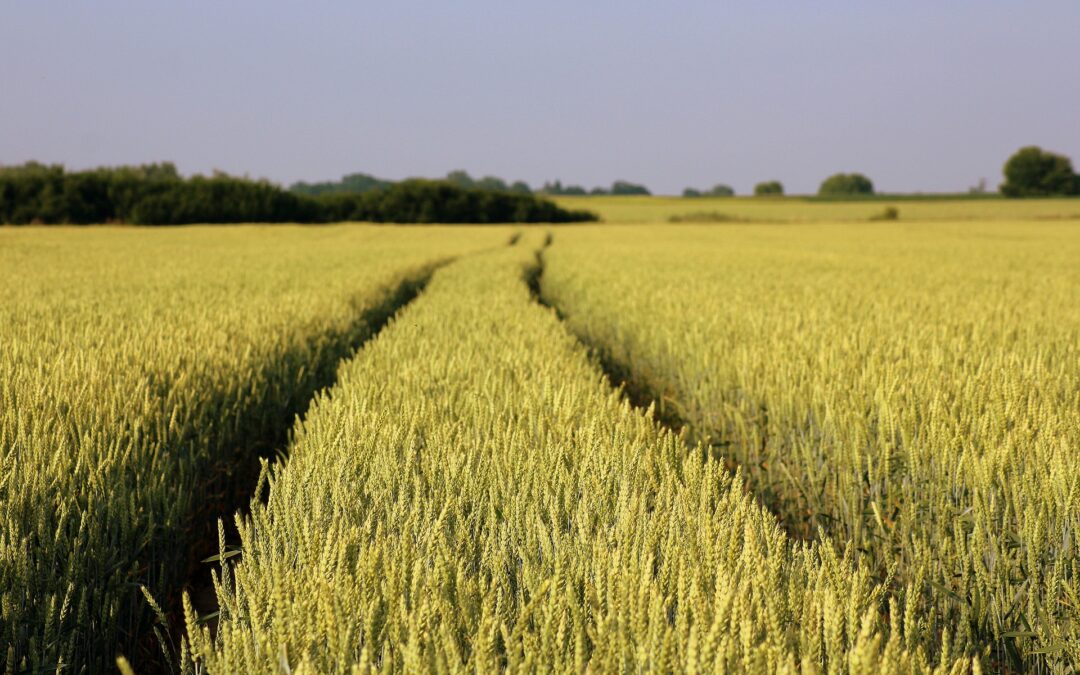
(640, 392)
(925, 425)
(231, 485)
(645, 393)
(472, 496)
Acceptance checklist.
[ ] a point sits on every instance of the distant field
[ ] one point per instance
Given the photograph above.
(802, 209)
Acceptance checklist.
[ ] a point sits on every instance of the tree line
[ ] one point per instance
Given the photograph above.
(419, 200)
(618, 188)
(1029, 172)
(358, 183)
(156, 194)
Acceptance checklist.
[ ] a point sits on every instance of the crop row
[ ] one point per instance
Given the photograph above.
(473, 495)
(913, 391)
(138, 372)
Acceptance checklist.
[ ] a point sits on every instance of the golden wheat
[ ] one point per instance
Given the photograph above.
(133, 364)
(473, 496)
(911, 390)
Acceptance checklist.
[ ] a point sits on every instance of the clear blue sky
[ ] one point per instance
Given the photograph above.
(919, 95)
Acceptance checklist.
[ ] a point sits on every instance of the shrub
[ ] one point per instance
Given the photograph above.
(707, 217)
(691, 192)
(889, 213)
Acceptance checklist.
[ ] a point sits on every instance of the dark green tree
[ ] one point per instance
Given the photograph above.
(157, 195)
(354, 183)
(846, 184)
(557, 188)
(460, 178)
(691, 193)
(1034, 172)
(769, 188)
(491, 183)
(552, 188)
(425, 201)
(622, 187)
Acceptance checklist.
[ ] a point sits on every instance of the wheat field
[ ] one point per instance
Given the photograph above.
(840, 447)
(138, 371)
(497, 506)
(909, 390)
(795, 209)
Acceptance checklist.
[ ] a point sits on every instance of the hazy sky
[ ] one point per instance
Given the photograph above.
(920, 95)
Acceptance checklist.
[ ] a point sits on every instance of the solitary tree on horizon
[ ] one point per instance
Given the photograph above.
(769, 188)
(1034, 172)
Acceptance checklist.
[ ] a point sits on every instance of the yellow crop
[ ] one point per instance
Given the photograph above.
(473, 496)
(876, 469)
(642, 209)
(136, 369)
(910, 390)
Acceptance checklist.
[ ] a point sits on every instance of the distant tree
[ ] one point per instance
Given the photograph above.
(359, 183)
(768, 189)
(157, 171)
(622, 187)
(362, 182)
(557, 188)
(597, 191)
(460, 178)
(552, 188)
(425, 201)
(354, 183)
(1034, 172)
(721, 190)
(491, 183)
(843, 184)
